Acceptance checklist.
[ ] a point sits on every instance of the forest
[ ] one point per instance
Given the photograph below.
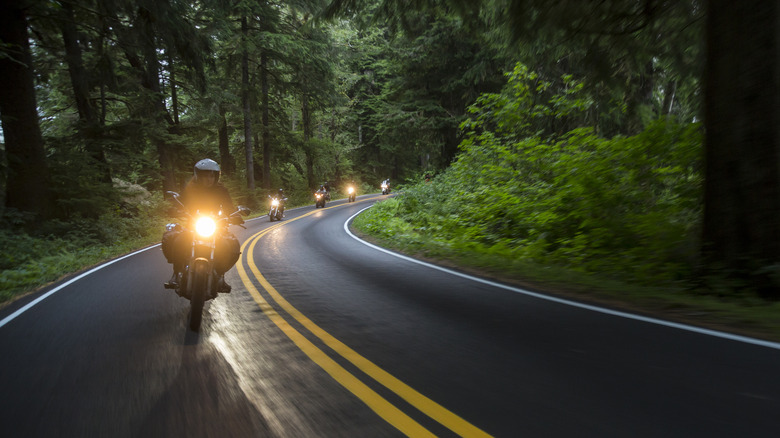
(631, 138)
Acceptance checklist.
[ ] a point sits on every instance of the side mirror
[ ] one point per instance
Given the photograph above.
(175, 197)
(243, 211)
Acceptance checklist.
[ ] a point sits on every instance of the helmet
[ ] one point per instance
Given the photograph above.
(205, 167)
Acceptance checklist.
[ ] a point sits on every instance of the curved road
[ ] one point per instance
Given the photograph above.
(324, 335)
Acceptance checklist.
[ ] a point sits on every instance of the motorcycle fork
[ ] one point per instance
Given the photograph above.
(197, 259)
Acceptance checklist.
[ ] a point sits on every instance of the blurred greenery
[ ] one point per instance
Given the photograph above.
(617, 218)
(38, 253)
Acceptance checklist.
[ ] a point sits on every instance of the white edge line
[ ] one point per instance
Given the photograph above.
(29, 305)
(675, 325)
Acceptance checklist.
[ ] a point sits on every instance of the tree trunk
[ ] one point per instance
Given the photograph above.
(174, 95)
(250, 171)
(306, 122)
(266, 124)
(669, 93)
(228, 163)
(149, 69)
(338, 178)
(640, 98)
(257, 167)
(89, 123)
(741, 235)
(27, 179)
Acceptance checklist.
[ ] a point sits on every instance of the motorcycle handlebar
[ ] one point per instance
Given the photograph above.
(240, 211)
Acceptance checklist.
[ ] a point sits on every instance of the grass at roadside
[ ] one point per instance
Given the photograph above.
(747, 315)
(55, 258)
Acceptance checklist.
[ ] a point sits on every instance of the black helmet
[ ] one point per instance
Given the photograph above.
(205, 167)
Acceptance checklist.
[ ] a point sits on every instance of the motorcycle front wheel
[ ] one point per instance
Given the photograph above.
(200, 280)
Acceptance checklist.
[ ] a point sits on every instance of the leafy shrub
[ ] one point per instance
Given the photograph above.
(630, 206)
(35, 255)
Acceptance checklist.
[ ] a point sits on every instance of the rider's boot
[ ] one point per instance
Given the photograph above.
(173, 283)
(222, 286)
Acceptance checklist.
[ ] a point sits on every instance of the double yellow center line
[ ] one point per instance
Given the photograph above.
(371, 398)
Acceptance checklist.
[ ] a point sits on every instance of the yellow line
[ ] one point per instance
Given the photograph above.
(424, 404)
(374, 401)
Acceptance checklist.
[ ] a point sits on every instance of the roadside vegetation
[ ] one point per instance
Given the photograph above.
(615, 220)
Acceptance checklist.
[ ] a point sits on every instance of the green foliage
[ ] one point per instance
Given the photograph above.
(629, 206)
(37, 253)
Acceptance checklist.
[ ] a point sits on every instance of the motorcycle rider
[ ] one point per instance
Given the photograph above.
(203, 193)
(282, 200)
(326, 189)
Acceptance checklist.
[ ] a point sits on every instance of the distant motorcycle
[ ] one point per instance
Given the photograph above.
(198, 281)
(351, 194)
(319, 198)
(385, 187)
(277, 209)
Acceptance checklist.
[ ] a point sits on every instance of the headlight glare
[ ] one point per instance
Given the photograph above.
(205, 226)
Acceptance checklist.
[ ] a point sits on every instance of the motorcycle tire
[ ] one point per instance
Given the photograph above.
(198, 287)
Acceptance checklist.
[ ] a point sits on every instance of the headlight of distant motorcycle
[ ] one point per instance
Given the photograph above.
(350, 190)
(275, 203)
(205, 226)
(318, 196)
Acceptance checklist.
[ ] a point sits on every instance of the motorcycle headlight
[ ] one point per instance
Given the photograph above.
(318, 196)
(275, 203)
(350, 190)
(205, 226)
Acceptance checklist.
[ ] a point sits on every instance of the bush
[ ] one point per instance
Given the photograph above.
(629, 206)
(35, 255)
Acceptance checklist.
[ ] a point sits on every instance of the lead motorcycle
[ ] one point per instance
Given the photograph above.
(351, 194)
(319, 199)
(277, 209)
(198, 281)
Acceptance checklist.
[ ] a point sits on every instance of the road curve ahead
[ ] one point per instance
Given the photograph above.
(324, 335)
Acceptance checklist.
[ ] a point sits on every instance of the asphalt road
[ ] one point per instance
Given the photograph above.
(326, 336)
